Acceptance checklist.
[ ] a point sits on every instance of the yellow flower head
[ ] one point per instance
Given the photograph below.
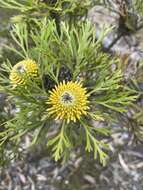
(22, 71)
(69, 101)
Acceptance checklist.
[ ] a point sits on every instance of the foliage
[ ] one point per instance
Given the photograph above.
(135, 120)
(73, 55)
(57, 9)
(138, 6)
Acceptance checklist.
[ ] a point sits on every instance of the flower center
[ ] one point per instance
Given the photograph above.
(20, 69)
(67, 98)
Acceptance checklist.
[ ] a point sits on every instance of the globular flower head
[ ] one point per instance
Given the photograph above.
(68, 101)
(23, 71)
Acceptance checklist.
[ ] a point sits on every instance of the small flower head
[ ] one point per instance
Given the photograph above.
(68, 101)
(22, 71)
